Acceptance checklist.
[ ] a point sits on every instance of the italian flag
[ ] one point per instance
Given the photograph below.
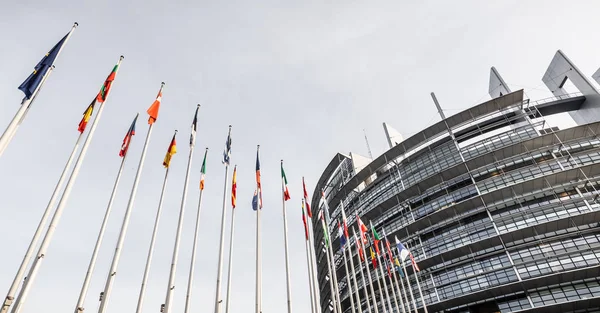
(203, 171)
(286, 191)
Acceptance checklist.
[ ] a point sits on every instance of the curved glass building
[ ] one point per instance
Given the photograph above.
(500, 211)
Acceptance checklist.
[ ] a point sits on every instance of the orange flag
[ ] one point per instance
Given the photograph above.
(153, 110)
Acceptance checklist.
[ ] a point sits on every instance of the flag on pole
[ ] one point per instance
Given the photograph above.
(86, 116)
(154, 107)
(406, 253)
(34, 79)
(359, 248)
(103, 93)
(389, 251)
(414, 263)
(170, 152)
(304, 221)
(194, 122)
(362, 229)
(227, 150)
(127, 139)
(286, 191)
(399, 267)
(373, 258)
(257, 199)
(376, 239)
(203, 170)
(325, 232)
(345, 225)
(308, 211)
(341, 235)
(234, 187)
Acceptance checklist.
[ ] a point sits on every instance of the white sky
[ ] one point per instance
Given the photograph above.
(301, 79)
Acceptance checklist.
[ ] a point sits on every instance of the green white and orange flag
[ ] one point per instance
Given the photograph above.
(170, 152)
(103, 94)
(286, 191)
(203, 170)
(86, 116)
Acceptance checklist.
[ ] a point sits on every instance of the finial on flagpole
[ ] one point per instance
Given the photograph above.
(75, 24)
(176, 131)
(162, 84)
(198, 105)
(122, 57)
(206, 149)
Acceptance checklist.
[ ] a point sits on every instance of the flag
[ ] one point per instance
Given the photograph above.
(170, 152)
(203, 171)
(257, 199)
(308, 211)
(345, 225)
(86, 116)
(399, 267)
(373, 258)
(304, 221)
(341, 235)
(127, 139)
(323, 202)
(376, 239)
(401, 250)
(325, 231)
(359, 248)
(286, 191)
(154, 107)
(362, 228)
(194, 122)
(103, 93)
(34, 79)
(234, 187)
(389, 251)
(227, 150)
(414, 263)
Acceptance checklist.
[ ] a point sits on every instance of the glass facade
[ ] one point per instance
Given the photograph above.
(501, 214)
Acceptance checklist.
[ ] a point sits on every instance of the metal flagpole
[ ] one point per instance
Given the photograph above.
(11, 129)
(397, 288)
(230, 261)
(313, 264)
(226, 155)
(419, 289)
(285, 242)
(404, 290)
(57, 214)
(38, 232)
(361, 248)
(391, 281)
(401, 292)
(358, 302)
(308, 263)
(412, 297)
(385, 288)
(258, 243)
(188, 295)
(362, 275)
(381, 297)
(331, 256)
(348, 281)
(104, 296)
(171, 287)
(333, 296)
(88, 275)
(140, 302)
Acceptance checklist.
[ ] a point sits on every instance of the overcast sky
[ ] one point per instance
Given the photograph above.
(301, 79)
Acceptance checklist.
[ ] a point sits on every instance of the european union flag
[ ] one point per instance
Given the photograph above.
(33, 81)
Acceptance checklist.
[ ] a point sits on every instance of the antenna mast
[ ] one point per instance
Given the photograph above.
(368, 147)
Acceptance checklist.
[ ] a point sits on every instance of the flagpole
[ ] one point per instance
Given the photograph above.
(333, 296)
(348, 280)
(390, 278)
(395, 285)
(258, 246)
(11, 129)
(285, 242)
(38, 232)
(140, 302)
(171, 286)
(420, 291)
(313, 263)
(333, 265)
(308, 262)
(92, 265)
(188, 295)
(57, 214)
(230, 262)
(222, 238)
(117, 254)
(412, 297)
(404, 290)
(362, 276)
(14, 131)
(358, 302)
